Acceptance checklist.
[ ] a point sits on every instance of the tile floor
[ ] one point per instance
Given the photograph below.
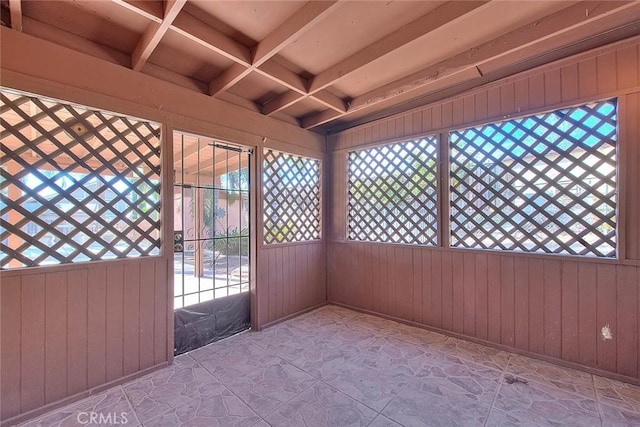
(337, 367)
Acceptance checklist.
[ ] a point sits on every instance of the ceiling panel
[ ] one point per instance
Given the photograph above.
(253, 19)
(179, 54)
(101, 23)
(352, 27)
(111, 11)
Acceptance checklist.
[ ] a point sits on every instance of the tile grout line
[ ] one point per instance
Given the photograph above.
(126, 396)
(157, 416)
(352, 398)
(246, 403)
(597, 397)
(497, 393)
(224, 385)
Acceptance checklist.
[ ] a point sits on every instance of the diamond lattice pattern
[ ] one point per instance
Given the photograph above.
(76, 184)
(291, 198)
(544, 183)
(393, 193)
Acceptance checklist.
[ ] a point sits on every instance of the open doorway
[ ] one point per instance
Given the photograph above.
(211, 240)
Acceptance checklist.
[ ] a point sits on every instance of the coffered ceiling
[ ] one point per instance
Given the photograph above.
(325, 65)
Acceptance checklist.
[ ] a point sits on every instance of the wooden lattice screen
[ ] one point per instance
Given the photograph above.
(291, 198)
(393, 193)
(543, 183)
(76, 184)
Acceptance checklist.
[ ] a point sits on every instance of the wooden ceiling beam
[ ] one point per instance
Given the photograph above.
(154, 33)
(15, 10)
(290, 30)
(284, 76)
(330, 100)
(281, 102)
(320, 118)
(228, 78)
(548, 31)
(286, 33)
(437, 18)
(212, 39)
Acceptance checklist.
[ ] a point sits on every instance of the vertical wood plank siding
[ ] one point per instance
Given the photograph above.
(68, 330)
(291, 279)
(554, 306)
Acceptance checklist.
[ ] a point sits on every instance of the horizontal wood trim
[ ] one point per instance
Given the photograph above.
(541, 256)
(46, 269)
(286, 244)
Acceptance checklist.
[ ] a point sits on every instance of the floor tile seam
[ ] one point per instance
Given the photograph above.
(502, 411)
(633, 411)
(497, 392)
(311, 374)
(462, 396)
(156, 416)
(613, 405)
(247, 403)
(407, 341)
(381, 415)
(260, 419)
(316, 381)
(461, 357)
(126, 396)
(468, 359)
(547, 385)
(371, 329)
(351, 397)
(597, 398)
(226, 388)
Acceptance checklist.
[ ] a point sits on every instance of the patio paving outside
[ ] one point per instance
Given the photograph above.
(229, 276)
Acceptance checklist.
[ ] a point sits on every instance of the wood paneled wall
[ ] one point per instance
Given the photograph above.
(291, 278)
(68, 329)
(554, 306)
